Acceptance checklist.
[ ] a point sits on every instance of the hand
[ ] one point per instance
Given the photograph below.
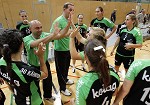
(128, 46)
(75, 32)
(25, 21)
(111, 53)
(70, 19)
(41, 49)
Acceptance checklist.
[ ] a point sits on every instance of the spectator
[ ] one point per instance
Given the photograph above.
(141, 16)
(113, 16)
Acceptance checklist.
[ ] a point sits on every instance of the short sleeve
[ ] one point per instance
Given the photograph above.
(110, 23)
(80, 98)
(139, 37)
(92, 22)
(131, 74)
(82, 54)
(27, 42)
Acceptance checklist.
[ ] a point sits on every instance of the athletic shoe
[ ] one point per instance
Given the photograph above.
(73, 69)
(83, 67)
(66, 92)
(52, 99)
(69, 82)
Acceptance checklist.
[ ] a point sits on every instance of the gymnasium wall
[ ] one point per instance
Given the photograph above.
(50, 10)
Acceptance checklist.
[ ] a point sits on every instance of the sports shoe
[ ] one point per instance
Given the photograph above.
(73, 69)
(83, 67)
(66, 92)
(52, 99)
(69, 82)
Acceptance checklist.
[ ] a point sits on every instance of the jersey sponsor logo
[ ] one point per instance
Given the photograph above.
(33, 74)
(146, 77)
(104, 90)
(132, 67)
(5, 75)
(30, 73)
(80, 83)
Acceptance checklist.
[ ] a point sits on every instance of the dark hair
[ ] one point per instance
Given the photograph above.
(21, 11)
(97, 58)
(10, 42)
(67, 4)
(101, 9)
(79, 15)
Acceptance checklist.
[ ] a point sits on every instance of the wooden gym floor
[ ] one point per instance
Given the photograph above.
(143, 53)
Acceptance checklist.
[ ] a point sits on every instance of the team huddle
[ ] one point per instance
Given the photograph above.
(76, 42)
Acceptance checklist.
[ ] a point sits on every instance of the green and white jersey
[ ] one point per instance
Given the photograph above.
(139, 73)
(32, 58)
(91, 91)
(82, 30)
(24, 81)
(24, 29)
(82, 54)
(104, 23)
(61, 44)
(133, 36)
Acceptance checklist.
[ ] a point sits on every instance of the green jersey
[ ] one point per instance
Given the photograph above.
(91, 91)
(82, 30)
(32, 58)
(61, 44)
(82, 54)
(133, 36)
(24, 29)
(104, 23)
(24, 81)
(139, 73)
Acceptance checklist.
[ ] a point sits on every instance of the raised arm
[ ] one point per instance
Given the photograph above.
(74, 54)
(40, 54)
(64, 32)
(80, 38)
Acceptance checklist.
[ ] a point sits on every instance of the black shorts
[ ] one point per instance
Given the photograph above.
(79, 47)
(125, 60)
(2, 97)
